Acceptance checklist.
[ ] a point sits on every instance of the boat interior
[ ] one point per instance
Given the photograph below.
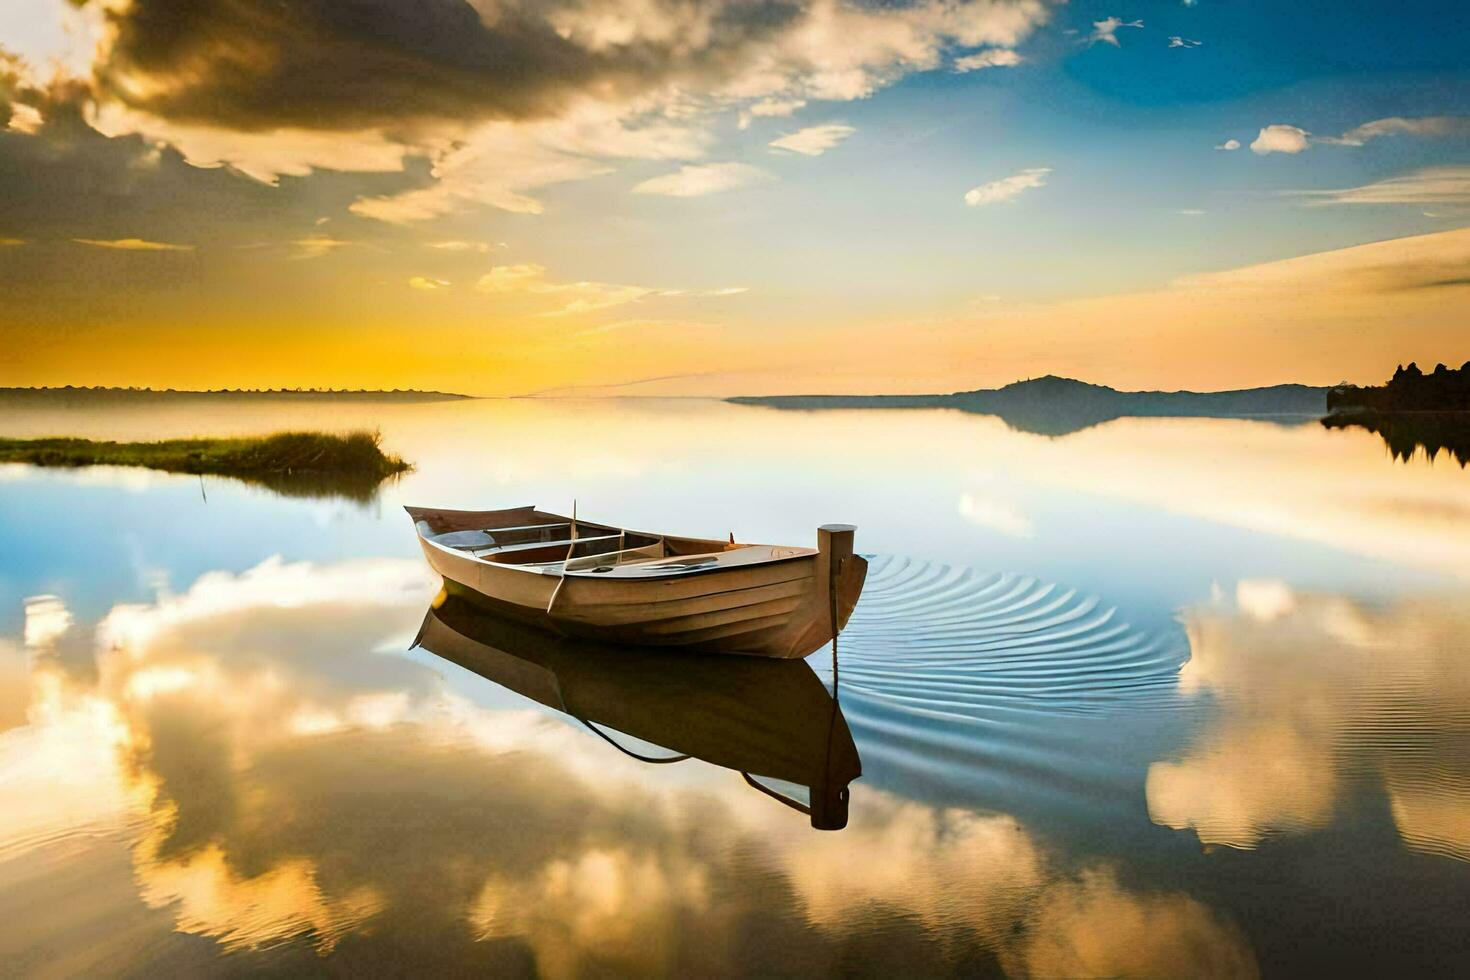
(553, 544)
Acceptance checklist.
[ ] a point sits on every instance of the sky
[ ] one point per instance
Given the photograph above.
(718, 197)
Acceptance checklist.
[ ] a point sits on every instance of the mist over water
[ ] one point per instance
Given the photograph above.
(1128, 700)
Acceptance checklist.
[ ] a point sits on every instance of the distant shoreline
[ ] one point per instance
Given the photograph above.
(289, 394)
(1059, 406)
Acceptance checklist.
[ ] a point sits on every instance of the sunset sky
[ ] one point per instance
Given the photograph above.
(731, 196)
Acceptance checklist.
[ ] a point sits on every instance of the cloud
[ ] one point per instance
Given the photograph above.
(218, 764)
(991, 58)
(813, 141)
(1280, 138)
(134, 245)
(462, 246)
(24, 119)
(1175, 41)
(495, 95)
(1106, 30)
(10, 242)
(579, 297)
(1231, 144)
(1264, 599)
(265, 155)
(46, 619)
(1007, 187)
(426, 284)
(997, 515)
(695, 180)
(1432, 185)
(1311, 688)
(1191, 212)
(513, 278)
(769, 107)
(576, 297)
(501, 162)
(315, 246)
(1400, 126)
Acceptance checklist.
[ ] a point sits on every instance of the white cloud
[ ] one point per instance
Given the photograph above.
(24, 118)
(1191, 212)
(996, 515)
(133, 245)
(991, 58)
(1007, 187)
(769, 107)
(1280, 138)
(461, 246)
(1264, 599)
(695, 180)
(1400, 126)
(426, 284)
(813, 141)
(46, 619)
(1228, 145)
(502, 161)
(1433, 185)
(577, 297)
(1175, 41)
(514, 278)
(315, 246)
(1106, 30)
(264, 155)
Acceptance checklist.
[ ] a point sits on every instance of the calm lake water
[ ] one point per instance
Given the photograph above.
(1160, 696)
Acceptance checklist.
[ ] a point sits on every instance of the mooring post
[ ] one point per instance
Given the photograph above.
(834, 545)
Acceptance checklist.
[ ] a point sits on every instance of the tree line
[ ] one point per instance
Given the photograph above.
(1444, 389)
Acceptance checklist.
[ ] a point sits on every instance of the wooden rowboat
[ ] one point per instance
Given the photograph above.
(581, 578)
(771, 721)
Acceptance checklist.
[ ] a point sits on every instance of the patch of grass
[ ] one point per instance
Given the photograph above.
(296, 463)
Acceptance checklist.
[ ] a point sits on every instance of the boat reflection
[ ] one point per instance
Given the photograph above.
(765, 719)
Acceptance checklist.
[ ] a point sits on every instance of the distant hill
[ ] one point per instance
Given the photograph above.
(71, 394)
(1057, 406)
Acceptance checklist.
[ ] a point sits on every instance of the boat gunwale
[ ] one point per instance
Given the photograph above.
(803, 553)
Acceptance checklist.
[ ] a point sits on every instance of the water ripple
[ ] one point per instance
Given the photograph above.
(952, 640)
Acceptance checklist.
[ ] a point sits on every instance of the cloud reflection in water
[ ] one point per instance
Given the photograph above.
(1316, 696)
(289, 796)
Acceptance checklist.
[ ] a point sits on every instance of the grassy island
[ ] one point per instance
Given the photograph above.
(311, 464)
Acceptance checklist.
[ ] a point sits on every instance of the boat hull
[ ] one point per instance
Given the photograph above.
(782, 608)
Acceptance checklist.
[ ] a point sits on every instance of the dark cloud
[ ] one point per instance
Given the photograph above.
(356, 64)
(66, 180)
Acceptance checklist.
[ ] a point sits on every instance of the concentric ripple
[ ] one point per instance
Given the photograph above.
(944, 639)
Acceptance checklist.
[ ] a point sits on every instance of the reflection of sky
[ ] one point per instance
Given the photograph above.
(1149, 513)
(1317, 693)
(271, 782)
(225, 736)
